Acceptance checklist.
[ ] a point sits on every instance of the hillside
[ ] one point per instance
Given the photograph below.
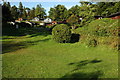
(104, 31)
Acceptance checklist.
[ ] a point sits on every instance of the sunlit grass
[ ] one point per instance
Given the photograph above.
(40, 57)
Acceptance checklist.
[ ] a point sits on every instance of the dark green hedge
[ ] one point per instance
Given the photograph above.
(61, 33)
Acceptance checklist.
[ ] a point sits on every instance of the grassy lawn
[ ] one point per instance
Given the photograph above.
(38, 56)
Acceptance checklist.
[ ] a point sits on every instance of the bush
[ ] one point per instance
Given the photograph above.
(92, 43)
(61, 33)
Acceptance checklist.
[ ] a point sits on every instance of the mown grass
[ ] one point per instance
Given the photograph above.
(38, 56)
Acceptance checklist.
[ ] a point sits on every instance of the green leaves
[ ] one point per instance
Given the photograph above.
(61, 33)
(58, 13)
(40, 11)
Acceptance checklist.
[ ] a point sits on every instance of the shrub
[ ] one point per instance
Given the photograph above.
(61, 33)
(92, 43)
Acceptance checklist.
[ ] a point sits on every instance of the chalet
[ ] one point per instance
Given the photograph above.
(35, 19)
(47, 20)
(114, 16)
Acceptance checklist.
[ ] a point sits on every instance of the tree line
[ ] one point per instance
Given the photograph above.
(87, 11)
(60, 13)
(11, 13)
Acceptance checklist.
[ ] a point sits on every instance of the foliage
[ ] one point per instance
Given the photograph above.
(87, 12)
(107, 8)
(20, 9)
(40, 11)
(32, 13)
(92, 43)
(61, 33)
(73, 21)
(6, 12)
(104, 31)
(24, 16)
(14, 12)
(74, 10)
(58, 13)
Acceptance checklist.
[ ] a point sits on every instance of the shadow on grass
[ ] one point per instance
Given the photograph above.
(76, 74)
(10, 46)
(10, 30)
(83, 76)
(80, 64)
(75, 38)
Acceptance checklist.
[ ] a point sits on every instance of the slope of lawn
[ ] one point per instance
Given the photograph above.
(38, 56)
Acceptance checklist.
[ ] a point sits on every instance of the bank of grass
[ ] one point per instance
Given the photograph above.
(104, 31)
(38, 56)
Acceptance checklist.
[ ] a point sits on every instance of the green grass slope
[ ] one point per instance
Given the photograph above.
(105, 31)
(38, 56)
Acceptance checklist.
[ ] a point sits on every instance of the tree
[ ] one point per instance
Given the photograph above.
(24, 13)
(40, 11)
(87, 12)
(58, 13)
(73, 20)
(20, 9)
(8, 5)
(85, 3)
(14, 12)
(107, 8)
(6, 13)
(32, 13)
(75, 10)
(52, 13)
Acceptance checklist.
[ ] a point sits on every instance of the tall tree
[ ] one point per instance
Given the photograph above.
(24, 13)
(14, 12)
(40, 11)
(6, 13)
(108, 8)
(73, 21)
(87, 12)
(58, 13)
(32, 13)
(20, 9)
(75, 10)
(52, 13)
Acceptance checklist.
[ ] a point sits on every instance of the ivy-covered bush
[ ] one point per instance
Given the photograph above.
(61, 33)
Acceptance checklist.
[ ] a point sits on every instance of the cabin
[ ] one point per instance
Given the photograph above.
(114, 16)
(35, 19)
(47, 20)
